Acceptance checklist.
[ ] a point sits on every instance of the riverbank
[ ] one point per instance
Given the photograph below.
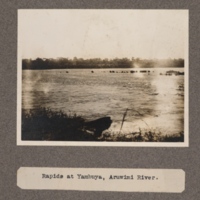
(43, 124)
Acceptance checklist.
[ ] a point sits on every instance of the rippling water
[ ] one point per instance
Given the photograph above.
(154, 101)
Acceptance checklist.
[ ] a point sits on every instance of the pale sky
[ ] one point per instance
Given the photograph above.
(102, 33)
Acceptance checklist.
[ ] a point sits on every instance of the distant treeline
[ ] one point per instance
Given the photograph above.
(79, 63)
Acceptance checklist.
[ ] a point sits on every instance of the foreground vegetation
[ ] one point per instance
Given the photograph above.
(140, 136)
(45, 124)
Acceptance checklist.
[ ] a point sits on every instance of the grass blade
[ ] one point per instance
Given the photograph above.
(123, 119)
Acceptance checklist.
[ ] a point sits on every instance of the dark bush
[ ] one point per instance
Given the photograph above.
(45, 124)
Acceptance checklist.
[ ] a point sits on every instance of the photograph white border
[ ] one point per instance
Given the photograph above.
(108, 144)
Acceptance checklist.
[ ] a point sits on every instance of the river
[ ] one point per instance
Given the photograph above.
(154, 100)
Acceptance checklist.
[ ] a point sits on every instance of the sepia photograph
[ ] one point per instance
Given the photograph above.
(100, 77)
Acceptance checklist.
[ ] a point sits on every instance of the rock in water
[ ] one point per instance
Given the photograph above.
(99, 125)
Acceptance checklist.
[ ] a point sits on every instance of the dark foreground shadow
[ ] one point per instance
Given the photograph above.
(45, 124)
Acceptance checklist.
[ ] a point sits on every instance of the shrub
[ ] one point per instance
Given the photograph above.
(45, 124)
